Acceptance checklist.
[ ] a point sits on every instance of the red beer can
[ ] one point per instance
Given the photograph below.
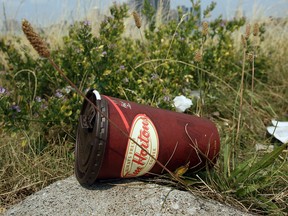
(174, 139)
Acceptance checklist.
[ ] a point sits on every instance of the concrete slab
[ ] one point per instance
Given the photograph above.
(124, 197)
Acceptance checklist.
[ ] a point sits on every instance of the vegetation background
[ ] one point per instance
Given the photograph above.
(234, 71)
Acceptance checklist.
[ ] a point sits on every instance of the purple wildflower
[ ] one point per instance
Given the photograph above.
(38, 99)
(86, 23)
(58, 94)
(166, 98)
(44, 106)
(223, 23)
(154, 76)
(104, 53)
(16, 108)
(2, 90)
(122, 67)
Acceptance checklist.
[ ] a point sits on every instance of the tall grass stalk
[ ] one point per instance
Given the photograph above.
(241, 91)
(138, 24)
(252, 79)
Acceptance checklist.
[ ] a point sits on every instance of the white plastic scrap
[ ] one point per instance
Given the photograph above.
(279, 130)
(182, 103)
(261, 147)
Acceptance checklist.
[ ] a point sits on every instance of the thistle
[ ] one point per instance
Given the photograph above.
(205, 28)
(35, 40)
(137, 19)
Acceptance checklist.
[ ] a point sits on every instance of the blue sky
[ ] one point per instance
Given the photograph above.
(50, 11)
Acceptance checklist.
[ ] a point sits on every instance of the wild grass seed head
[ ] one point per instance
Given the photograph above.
(137, 19)
(198, 56)
(256, 29)
(205, 27)
(250, 56)
(248, 31)
(244, 41)
(35, 40)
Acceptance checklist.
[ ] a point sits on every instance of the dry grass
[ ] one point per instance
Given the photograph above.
(25, 169)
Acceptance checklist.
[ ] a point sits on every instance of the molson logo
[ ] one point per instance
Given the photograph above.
(137, 162)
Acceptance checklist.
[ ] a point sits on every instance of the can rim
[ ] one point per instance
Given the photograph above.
(91, 138)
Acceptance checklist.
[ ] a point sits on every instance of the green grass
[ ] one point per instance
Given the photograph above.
(37, 144)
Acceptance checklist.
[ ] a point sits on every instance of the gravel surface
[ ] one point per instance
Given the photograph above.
(125, 197)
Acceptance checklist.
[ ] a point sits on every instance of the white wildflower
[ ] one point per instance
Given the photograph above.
(182, 103)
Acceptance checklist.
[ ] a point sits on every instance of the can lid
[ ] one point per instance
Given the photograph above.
(91, 139)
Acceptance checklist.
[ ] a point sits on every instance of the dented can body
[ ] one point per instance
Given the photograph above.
(174, 139)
